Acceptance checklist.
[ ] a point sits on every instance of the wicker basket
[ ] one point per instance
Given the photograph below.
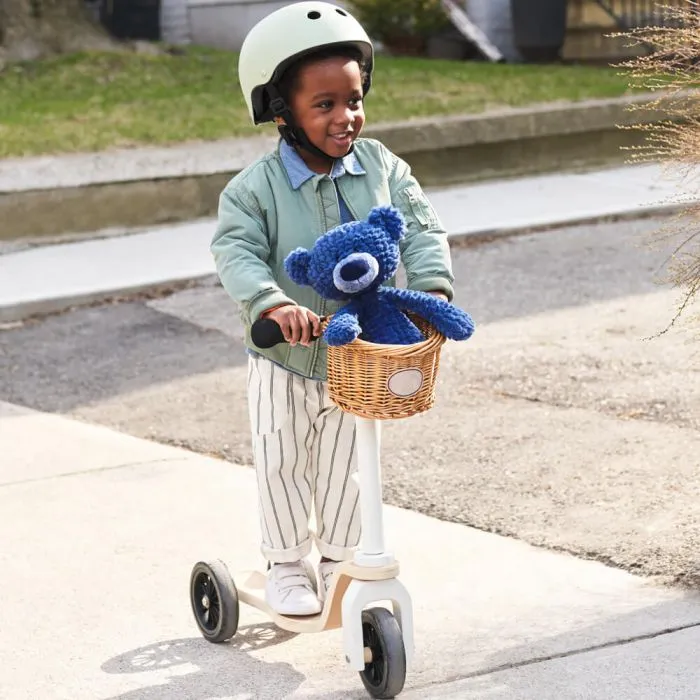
(385, 381)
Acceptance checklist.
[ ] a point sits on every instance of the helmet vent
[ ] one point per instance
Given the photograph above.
(340, 12)
(314, 15)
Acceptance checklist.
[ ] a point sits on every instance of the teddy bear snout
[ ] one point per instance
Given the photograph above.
(355, 272)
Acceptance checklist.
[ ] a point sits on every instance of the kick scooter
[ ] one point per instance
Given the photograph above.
(378, 643)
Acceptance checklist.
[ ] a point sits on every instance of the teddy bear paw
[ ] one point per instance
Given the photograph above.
(341, 334)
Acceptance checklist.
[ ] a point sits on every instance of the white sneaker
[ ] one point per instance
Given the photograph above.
(289, 589)
(326, 571)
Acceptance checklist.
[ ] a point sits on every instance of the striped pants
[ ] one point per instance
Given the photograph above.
(304, 453)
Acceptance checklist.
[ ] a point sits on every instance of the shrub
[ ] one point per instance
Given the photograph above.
(391, 21)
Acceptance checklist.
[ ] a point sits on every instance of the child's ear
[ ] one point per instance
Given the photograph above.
(390, 219)
(297, 266)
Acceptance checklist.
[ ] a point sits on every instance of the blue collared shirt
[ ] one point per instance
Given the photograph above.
(299, 172)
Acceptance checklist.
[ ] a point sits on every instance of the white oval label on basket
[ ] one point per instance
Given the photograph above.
(405, 382)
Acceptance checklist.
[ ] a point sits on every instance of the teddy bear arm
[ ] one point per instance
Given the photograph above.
(449, 320)
(344, 327)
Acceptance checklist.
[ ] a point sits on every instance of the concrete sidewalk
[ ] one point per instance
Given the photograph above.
(100, 531)
(54, 277)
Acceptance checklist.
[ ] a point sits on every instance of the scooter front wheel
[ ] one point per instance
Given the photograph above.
(214, 601)
(385, 671)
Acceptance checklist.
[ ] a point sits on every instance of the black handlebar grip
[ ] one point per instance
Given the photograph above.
(265, 333)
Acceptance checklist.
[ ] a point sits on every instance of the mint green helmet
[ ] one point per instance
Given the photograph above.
(287, 35)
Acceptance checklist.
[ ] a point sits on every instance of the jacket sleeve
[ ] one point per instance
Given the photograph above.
(425, 251)
(241, 250)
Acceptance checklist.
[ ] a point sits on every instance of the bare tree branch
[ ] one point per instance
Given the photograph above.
(672, 69)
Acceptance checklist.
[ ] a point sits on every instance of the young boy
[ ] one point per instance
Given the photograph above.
(307, 68)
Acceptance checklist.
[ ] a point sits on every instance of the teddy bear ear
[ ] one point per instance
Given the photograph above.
(390, 219)
(297, 266)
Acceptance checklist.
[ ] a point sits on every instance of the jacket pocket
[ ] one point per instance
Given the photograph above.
(417, 203)
(269, 396)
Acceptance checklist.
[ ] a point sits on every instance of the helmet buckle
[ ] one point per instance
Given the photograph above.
(278, 106)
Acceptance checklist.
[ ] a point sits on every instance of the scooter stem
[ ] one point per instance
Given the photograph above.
(371, 551)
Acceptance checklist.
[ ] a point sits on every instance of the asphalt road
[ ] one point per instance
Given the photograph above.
(559, 423)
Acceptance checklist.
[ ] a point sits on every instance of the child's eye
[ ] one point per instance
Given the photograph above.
(355, 101)
(326, 104)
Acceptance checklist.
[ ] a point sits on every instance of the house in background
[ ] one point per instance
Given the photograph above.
(219, 23)
(225, 23)
(590, 22)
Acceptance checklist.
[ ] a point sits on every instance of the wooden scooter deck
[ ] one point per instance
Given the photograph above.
(251, 590)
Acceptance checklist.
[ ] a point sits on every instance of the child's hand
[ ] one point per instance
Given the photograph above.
(298, 324)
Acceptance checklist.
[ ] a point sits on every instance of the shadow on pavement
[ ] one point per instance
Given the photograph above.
(210, 670)
(95, 354)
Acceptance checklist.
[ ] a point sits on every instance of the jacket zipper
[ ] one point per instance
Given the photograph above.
(314, 356)
(337, 200)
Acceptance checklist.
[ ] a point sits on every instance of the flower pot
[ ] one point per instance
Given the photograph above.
(448, 45)
(539, 28)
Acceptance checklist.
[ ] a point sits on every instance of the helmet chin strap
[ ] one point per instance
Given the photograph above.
(290, 132)
(297, 137)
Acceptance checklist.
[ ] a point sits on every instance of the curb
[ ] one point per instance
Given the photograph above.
(35, 310)
(27, 311)
(56, 195)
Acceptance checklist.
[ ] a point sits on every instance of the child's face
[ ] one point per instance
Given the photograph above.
(327, 105)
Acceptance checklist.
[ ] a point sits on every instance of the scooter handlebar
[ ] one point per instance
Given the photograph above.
(266, 333)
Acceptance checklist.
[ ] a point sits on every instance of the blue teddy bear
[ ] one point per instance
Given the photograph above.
(351, 262)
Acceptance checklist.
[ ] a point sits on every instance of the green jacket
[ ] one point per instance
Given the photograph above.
(262, 219)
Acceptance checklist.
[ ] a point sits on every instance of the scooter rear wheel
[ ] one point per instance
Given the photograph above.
(214, 601)
(385, 674)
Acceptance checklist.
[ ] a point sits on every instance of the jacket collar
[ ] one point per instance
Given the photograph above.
(299, 172)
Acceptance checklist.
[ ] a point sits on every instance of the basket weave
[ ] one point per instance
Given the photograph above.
(363, 379)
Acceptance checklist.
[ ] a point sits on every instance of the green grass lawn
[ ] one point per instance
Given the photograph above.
(88, 102)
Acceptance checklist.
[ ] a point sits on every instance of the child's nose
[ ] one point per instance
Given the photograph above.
(345, 116)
